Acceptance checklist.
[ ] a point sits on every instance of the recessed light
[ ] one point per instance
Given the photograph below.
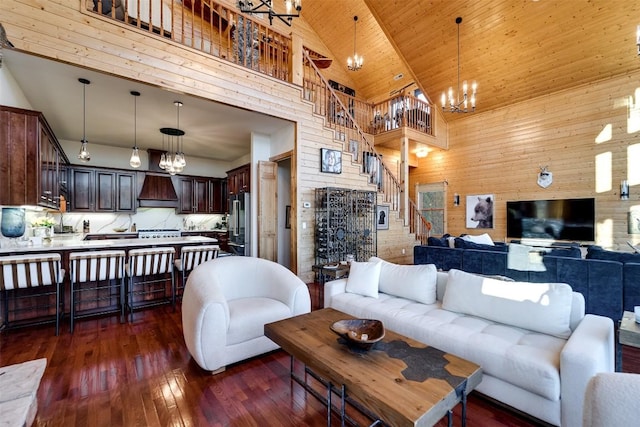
(398, 76)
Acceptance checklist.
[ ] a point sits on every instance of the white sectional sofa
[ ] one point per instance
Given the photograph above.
(537, 348)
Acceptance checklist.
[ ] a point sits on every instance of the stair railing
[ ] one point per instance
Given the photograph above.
(339, 110)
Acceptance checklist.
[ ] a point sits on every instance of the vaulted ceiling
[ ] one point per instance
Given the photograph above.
(514, 49)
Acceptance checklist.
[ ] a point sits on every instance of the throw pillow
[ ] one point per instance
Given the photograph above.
(413, 282)
(465, 244)
(438, 241)
(363, 278)
(567, 252)
(482, 239)
(539, 307)
(597, 252)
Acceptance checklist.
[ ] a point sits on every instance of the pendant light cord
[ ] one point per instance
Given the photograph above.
(458, 21)
(84, 112)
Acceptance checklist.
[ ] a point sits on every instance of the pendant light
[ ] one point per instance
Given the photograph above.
(452, 102)
(84, 155)
(135, 155)
(172, 160)
(355, 63)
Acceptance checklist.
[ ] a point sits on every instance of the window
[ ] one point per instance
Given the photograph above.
(431, 205)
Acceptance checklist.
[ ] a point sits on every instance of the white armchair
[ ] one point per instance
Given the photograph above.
(226, 303)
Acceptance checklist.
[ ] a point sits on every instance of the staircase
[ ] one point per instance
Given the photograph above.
(341, 113)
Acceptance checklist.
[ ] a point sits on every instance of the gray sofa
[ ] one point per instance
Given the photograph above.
(609, 286)
(527, 362)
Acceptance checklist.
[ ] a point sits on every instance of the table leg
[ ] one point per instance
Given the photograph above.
(464, 408)
(329, 391)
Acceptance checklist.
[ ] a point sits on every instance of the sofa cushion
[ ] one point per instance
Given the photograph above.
(596, 252)
(413, 282)
(540, 307)
(363, 278)
(249, 315)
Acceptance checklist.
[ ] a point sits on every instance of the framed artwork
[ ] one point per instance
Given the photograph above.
(634, 222)
(287, 216)
(382, 217)
(480, 211)
(330, 161)
(353, 149)
(371, 166)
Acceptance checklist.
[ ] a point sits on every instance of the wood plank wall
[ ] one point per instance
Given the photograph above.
(66, 34)
(500, 152)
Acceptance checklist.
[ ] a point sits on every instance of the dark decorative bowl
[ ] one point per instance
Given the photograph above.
(359, 334)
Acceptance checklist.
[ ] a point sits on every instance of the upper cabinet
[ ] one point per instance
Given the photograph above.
(239, 180)
(32, 163)
(201, 195)
(102, 190)
(218, 196)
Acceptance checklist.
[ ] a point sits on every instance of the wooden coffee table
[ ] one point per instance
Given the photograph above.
(400, 382)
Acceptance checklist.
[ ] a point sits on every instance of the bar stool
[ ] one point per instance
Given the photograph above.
(190, 258)
(148, 269)
(97, 278)
(20, 273)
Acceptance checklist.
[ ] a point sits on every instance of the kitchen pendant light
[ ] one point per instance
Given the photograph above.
(172, 160)
(84, 155)
(135, 155)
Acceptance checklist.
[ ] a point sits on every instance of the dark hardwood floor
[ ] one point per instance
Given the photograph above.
(141, 374)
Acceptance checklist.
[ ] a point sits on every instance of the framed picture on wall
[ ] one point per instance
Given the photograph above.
(480, 211)
(634, 222)
(382, 217)
(353, 149)
(330, 161)
(287, 216)
(371, 166)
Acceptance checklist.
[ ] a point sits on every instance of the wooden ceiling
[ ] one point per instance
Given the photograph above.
(514, 49)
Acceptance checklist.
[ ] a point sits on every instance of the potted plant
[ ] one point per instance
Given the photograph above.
(43, 227)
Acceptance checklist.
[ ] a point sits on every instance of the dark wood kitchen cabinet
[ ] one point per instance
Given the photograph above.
(102, 190)
(193, 195)
(200, 195)
(239, 180)
(218, 196)
(32, 162)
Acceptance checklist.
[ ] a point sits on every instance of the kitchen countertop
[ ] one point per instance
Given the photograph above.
(67, 244)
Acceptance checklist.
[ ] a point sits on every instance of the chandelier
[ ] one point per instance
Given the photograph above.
(84, 155)
(355, 63)
(457, 105)
(247, 6)
(173, 160)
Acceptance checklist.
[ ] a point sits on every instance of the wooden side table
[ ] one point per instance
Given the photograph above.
(327, 272)
(629, 338)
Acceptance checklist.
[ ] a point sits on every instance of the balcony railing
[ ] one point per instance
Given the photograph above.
(401, 110)
(208, 27)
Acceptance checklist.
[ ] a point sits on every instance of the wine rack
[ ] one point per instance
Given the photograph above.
(345, 224)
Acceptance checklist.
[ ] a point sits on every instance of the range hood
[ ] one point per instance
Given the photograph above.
(157, 189)
(157, 192)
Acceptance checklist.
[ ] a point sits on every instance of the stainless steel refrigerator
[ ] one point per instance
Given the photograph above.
(240, 224)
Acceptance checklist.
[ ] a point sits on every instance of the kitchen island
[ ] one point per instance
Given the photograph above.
(62, 245)
(65, 247)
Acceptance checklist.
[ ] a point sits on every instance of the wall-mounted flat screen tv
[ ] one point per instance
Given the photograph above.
(564, 219)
